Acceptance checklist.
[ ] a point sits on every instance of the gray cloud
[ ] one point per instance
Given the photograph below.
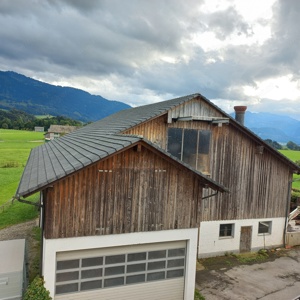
(142, 49)
(227, 22)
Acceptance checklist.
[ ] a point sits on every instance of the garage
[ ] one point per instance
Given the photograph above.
(147, 271)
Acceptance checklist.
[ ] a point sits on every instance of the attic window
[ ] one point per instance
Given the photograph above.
(191, 146)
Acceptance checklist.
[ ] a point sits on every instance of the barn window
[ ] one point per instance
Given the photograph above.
(226, 230)
(191, 146)
(264, 227)
(175, 142)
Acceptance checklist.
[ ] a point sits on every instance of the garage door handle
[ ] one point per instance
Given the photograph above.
(4, 281)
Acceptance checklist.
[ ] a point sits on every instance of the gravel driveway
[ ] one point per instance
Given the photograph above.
(19, 231)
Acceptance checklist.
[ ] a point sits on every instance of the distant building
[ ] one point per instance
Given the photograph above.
(39, 129)
(56, 131)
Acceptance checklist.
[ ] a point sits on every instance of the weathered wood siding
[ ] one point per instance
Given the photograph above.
(195, 107)
(153, 130)
(258, 183)
(130, 192)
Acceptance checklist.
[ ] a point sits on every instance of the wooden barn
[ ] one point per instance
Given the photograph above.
(128, 202)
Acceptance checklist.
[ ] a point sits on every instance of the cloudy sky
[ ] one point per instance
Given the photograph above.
(234, 52)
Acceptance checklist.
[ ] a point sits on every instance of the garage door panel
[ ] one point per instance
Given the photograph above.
(157, 290)
(133, 270)
(117, 250)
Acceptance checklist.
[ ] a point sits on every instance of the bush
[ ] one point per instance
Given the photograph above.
(295, 195)
(37, 291)
(198, 296)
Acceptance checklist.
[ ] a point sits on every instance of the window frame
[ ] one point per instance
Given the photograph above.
(202, 150)
(231, 236)
(267, 224)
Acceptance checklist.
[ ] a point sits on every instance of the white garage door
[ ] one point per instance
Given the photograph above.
(148, 271)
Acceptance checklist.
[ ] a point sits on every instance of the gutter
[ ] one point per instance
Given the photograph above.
(28, 202)
(42, 216)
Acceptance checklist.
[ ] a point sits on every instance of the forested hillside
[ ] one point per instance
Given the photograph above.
(16, 119)
(39, 98)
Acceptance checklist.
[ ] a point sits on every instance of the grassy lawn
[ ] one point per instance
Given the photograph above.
(15, 146)
(294, 156)
(18, 213)
(9, 180)
(291, 154)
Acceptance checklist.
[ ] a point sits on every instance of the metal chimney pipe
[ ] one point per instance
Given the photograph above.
(240, 113)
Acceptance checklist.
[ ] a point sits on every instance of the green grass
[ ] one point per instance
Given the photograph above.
(249, 258)
(294, 156)
(15, 146)
(35, 247)
(291, 154)
(18, 213)
(16, 136)
(198, 296)
(9, 181)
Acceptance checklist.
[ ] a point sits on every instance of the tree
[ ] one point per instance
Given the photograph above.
(273, 144)
(4, 126)
(292, 146)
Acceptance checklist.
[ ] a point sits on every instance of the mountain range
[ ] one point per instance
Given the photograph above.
(35, 97)
(279, 128)
(38, 98)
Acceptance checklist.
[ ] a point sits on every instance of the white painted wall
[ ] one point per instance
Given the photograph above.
(52, 246)
(210, 244)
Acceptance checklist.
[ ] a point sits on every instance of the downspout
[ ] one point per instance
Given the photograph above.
(42, 233)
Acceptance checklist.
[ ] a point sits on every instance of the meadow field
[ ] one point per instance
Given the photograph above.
(293, 156)
(15, 146)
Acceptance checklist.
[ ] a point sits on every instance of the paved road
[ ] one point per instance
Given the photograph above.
(276, 280)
